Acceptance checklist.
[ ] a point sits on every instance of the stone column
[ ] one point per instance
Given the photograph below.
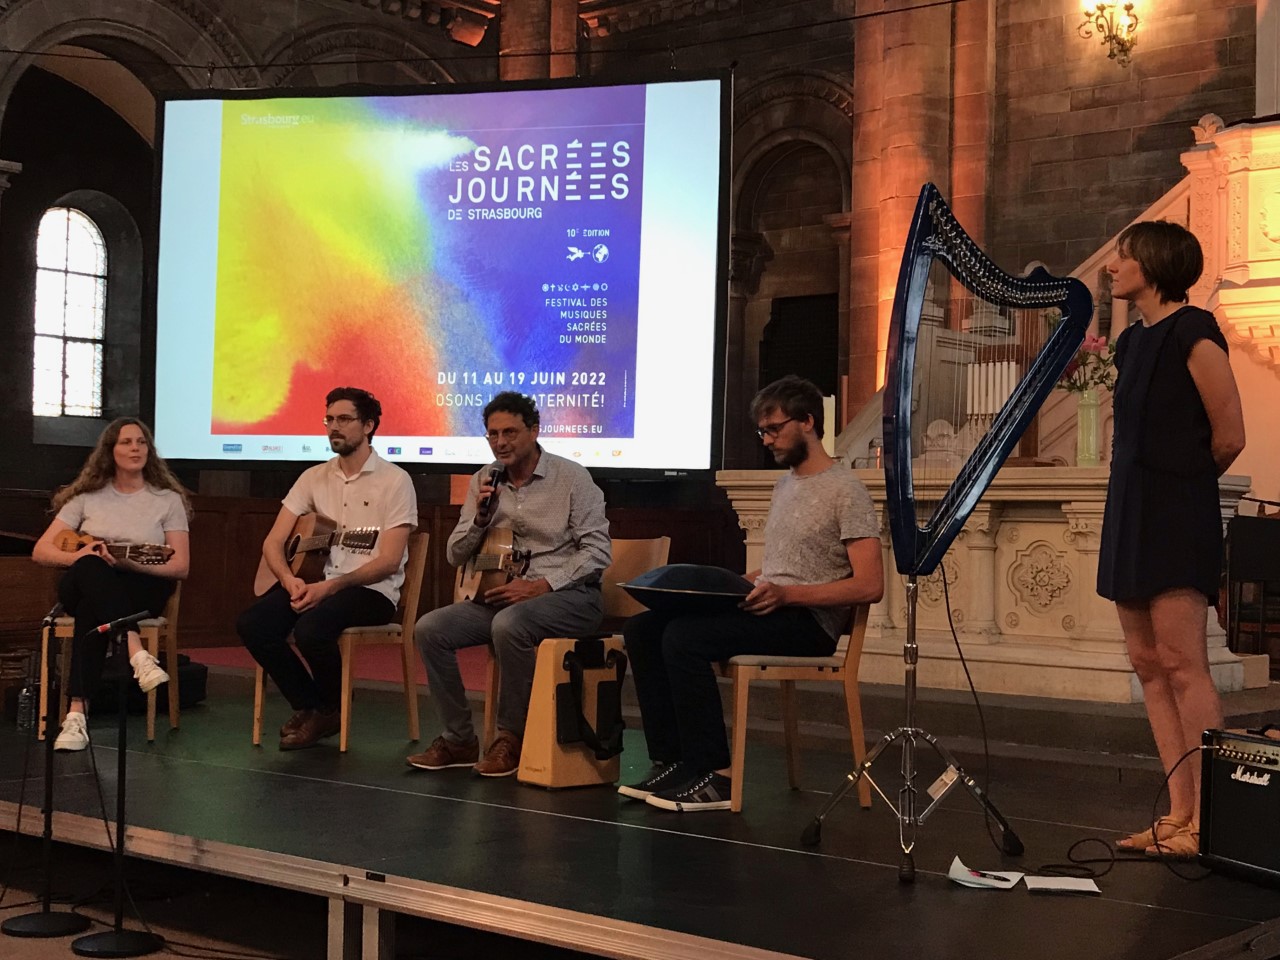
(979, 539)
(538, 39)
(1095, 616)
(748, 254)
(7, 169)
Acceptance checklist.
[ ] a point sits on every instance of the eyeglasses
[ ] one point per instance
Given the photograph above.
(343, 420)
(773, 429)
(508, 434)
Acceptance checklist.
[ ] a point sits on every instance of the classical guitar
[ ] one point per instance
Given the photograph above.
(309, 543)
(148, 554)
(496, 563)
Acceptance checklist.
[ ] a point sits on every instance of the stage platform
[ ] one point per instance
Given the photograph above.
(587, 871)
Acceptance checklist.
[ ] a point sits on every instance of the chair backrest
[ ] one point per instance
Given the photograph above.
(630, 559)
(857, 636)
(411, 590)
(170, 611)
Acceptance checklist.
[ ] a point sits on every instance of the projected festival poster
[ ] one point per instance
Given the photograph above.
(434, 253)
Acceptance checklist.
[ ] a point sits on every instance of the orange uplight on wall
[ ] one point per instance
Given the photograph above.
(1116, 26)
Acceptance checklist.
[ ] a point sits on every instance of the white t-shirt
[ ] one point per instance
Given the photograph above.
(381, 495)
(142, 516)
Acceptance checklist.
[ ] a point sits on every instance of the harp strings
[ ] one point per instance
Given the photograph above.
(971, 355)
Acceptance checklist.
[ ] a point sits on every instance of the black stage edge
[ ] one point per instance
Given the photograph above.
(587, 871)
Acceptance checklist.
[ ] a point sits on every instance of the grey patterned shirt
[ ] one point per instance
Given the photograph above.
(558, 516)
(810, 521)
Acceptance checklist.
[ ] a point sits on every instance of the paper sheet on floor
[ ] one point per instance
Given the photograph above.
(988, 879)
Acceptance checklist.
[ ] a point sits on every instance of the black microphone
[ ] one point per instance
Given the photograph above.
(52, 615)
(130, 621)
(495, 474)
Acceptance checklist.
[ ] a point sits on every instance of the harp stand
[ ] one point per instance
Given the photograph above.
(905, 809)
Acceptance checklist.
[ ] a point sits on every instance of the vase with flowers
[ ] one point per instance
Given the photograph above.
(1091, 369)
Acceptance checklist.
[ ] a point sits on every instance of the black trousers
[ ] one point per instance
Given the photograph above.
(671, 660)
(265, 627)
(94, 592)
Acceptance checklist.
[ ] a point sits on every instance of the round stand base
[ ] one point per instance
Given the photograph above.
(45, 924)
(117, 943)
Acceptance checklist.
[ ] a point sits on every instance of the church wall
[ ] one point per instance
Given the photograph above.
(1082, 145)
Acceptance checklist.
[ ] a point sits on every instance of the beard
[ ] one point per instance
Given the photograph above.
(341, 445)
(791, 456)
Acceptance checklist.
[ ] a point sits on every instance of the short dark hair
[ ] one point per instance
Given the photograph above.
(1168, 253)
(795, 396)
(517, 403)
(366, 404)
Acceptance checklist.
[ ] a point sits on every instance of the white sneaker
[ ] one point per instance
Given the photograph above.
(147, 672)
(74, 734)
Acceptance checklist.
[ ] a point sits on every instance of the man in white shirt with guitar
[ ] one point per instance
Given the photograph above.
(532, 541)
(371, 508)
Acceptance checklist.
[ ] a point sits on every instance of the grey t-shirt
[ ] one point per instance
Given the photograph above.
(810, 521)
(139, 517)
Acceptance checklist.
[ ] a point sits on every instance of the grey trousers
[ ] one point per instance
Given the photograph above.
(515, 633)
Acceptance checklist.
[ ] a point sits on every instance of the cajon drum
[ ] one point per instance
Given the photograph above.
(560, 749)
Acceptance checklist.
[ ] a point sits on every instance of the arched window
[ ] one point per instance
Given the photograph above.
(70, 315)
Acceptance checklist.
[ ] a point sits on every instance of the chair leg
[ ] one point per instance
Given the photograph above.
(171, 668)
(853, 704)
(791, 738)
(64, 671)
(738, 762)
(152, 641)
(410, 668)
(491, 702)
(259, 683)
(344, 721)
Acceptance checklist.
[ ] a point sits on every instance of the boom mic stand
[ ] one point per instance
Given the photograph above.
(119, 942)
(905, 809)
(47, 922)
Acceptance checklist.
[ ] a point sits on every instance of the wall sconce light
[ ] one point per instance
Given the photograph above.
(1117, 28)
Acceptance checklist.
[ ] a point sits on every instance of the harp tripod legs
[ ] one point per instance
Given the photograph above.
(906, 806)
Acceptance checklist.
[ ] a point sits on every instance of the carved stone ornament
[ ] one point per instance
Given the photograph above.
(1269, 217)
(931, 591)
(1039, 577)
(1079, 531)
(1011, 533)
(1011, 620)
(1210, 126)
(1068, 622)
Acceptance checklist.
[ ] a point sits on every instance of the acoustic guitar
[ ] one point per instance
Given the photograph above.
(308, 545)
(148, 554)
(496, 563)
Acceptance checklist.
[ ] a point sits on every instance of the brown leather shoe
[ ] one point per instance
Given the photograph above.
(294, 723)
(443, 754)
(315, 727)
(502, 758)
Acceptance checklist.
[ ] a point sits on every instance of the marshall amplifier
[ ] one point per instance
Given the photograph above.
(1240, 803)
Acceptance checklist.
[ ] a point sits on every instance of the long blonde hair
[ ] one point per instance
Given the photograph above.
(100, 468)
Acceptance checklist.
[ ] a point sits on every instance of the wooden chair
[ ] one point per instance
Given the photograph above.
(399, 632)
(154, 632)
(841, 667)
(630, 559)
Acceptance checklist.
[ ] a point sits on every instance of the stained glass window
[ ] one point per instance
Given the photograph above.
(70, 315)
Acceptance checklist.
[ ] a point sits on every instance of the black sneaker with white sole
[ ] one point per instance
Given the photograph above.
(661, 776)
(709, 791)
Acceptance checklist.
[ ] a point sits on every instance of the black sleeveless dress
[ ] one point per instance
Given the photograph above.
(1162, 527)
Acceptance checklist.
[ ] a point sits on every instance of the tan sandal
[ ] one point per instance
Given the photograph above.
(1164, 828)
(1183, 845)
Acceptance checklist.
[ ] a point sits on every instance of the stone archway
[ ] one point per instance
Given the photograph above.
(783, 123)
(301, 59)
(175, 44)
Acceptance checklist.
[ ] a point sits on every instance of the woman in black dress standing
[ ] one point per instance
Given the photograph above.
(1178, 427)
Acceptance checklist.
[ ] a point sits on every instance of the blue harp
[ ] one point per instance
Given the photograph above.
(973, 353)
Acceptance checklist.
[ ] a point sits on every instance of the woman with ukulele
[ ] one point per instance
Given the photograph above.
(124, 496)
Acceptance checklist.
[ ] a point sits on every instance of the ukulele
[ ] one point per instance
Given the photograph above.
(308, 545)
(495, 564)
(147, 554)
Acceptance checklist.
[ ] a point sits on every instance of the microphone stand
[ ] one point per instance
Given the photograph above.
(47, 922)
(119, 942)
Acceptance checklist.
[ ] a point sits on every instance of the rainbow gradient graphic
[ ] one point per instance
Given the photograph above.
(383, 242)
